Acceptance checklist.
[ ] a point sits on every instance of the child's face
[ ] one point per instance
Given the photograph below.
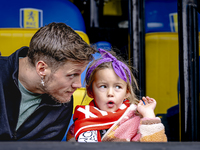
(109, 90)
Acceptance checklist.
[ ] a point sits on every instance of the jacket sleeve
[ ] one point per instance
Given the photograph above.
(152, 130)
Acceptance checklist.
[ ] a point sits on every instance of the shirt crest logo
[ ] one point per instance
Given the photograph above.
(31, 18)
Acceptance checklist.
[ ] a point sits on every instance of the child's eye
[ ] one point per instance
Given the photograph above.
(102, 86)
(118, 87)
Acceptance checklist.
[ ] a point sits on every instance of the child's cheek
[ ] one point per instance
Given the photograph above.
(102, 89)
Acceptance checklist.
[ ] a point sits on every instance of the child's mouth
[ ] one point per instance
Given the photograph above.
(110, 104)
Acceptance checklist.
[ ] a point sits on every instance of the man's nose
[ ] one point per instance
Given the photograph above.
(77, 83)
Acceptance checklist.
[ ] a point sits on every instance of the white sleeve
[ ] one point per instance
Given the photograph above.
(89, 136)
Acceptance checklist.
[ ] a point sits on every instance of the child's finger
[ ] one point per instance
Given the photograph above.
(140, 103)
(145, 100)
(150, 99)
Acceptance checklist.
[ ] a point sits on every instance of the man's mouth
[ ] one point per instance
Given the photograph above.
(70, 92)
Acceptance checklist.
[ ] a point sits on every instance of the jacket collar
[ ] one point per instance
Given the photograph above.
(14, 60)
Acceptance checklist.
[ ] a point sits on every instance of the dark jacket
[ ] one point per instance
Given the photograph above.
(48, 122)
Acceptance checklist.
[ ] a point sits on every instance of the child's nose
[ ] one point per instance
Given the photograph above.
(110, 92)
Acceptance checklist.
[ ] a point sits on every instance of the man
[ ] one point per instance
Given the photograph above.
(37, 83)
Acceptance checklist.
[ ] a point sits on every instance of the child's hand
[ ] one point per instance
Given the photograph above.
(147, 109)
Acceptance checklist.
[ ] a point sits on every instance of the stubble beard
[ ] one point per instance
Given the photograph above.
(58, 101)
(46, 91)
(53, 97)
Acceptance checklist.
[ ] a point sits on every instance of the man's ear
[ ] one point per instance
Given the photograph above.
(89, 92)
(42, 68)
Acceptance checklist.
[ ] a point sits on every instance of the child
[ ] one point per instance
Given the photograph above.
(115, 114)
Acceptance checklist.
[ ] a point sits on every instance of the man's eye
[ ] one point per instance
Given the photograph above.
(71, 75)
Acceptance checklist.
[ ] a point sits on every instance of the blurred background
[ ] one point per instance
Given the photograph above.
(144, 32)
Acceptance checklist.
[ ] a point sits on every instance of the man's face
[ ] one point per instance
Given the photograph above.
(62, 83)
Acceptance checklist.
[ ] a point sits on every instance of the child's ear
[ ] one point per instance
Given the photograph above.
(127, 94)
(89, 92)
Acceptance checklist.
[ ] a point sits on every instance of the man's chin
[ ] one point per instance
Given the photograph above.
(61, 100)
